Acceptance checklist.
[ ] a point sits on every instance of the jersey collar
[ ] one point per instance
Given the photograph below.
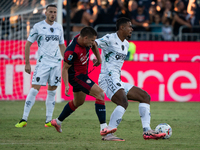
(49, 24)
(119, 38)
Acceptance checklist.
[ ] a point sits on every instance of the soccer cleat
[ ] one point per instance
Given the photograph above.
(48, 124)
(21, 124)
(58, 127)
(151, 134)
(106, 131)
(111, 137)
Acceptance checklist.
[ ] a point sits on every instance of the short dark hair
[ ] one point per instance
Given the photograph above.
(88, 31)
(121, 21)
(51, 5)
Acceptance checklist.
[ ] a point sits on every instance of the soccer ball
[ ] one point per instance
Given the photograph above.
(164, 128)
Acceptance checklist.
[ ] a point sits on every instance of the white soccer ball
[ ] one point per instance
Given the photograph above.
(164, 128)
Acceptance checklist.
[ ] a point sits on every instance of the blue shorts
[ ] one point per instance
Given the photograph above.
(81, 83)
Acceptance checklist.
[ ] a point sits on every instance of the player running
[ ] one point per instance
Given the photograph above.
(114, 50)
(75, 72)
(49, 36)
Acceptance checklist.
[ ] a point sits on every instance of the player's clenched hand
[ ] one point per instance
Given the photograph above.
(67, 90)
(28, 68)
(96, 62)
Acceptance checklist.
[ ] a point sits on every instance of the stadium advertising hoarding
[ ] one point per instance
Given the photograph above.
(145, 51)
(167, 51)
(164, 81)
(168, 72)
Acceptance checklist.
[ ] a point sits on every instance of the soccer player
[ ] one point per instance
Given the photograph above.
(75, 72)
(49, 36)
(114, 50)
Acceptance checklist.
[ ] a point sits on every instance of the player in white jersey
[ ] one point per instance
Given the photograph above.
(50, 39)
(114, 50)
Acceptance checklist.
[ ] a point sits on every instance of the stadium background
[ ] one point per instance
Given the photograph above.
(167, 70)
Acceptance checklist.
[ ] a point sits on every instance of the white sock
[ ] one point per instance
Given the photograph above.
(58, 121)
(145, 115)
(103, 125)
(30, 100)
(116, 116)
(50, 104)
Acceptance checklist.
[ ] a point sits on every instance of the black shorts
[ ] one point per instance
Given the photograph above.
(81, 83)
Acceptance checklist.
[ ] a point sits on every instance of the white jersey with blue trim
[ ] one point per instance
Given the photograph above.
(48, 37)
(113, 53)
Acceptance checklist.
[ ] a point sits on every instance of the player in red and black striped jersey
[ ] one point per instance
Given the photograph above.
(77, 57)
(75, 72)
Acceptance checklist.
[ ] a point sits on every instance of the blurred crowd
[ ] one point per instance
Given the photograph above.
(18, 14)
(155, 16)
(164, 16)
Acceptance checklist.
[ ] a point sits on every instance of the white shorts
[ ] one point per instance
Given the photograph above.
(110, 84)
(47, 73)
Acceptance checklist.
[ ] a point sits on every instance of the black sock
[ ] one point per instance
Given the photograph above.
(100, 110)
(22, 120)
(67, 110)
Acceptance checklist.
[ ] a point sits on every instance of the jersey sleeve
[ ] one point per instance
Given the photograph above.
(104, 41)
(61, 39)
(33, 34)
(69, 57)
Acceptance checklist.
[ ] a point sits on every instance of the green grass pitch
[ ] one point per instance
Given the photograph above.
(81, 129)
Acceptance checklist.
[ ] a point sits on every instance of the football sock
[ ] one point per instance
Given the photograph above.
(30, 100)
(58, 121)
(50, 104)
(22, 120)
(103, 125)
(116, 116)
(67, 110)
(100, 110)
(145, 115)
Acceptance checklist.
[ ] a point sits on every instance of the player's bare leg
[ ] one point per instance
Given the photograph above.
(37, 87)
(137, 94)
(97, 92)
(79, 98)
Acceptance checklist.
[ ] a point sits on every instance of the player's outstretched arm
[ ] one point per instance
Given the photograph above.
(95, 50)
(65, 68)
(27, 54)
